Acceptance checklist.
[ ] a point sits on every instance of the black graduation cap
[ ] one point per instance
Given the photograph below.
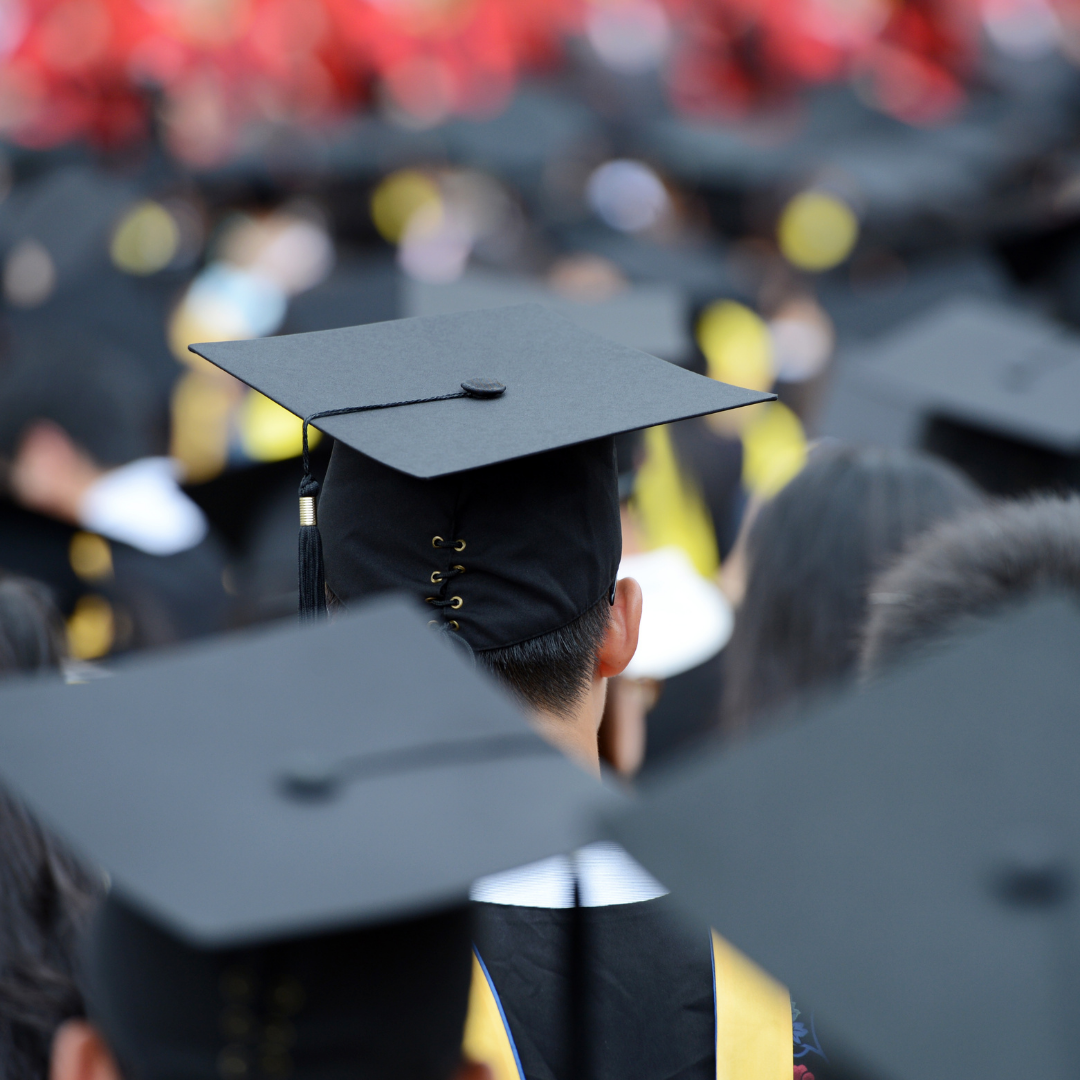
(490, 430)
(991, 365)
(906, 860)
(995, 388)
(270, 805)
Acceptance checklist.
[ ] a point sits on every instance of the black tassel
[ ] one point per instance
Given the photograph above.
(312, 576)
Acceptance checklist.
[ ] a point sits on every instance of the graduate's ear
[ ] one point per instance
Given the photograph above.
(472, 1070)
(80, 1053)
(620, 641)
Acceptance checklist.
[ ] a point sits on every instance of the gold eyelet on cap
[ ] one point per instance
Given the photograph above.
(436, 541)
(456, 602)
(458, 567)
(459, 545)
(436, 577)
(454, 624)
(433, 622)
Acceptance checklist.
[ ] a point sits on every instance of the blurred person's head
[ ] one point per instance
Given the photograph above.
(971, 569)
(811, 554)
(31, 629)
(46, 899)
(105, 399)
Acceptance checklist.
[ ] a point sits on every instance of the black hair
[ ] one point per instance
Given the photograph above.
(970, 569)
(550, 672)
(553, 671)
(46, 899)
(812, 553)
(46, 896)
(31, 630)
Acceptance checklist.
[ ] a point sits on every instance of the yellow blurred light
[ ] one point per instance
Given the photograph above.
(669, 506)
(774, 448)
(270, 433)
(90, 556)
(202, 409)
(817, 231)
(737, 345)
(398, 198)
(91, 628)
(146, 240)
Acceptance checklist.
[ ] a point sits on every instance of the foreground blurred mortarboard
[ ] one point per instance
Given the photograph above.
(251, 798)
(906, 859)
(233, 800)
(487, 430)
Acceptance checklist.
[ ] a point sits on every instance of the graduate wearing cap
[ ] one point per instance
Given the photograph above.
(290, 858)
(474, 469)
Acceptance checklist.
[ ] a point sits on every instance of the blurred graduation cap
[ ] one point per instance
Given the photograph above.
(491, 430)
(997, 388)
(232, 801)
(360, 291)
(701, 271)
(70, 213)
(906, 858)
(244, 814)
(652, 318)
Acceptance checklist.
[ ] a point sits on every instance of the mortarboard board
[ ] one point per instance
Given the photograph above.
(240, 809)
(905, 858)
(491, 430)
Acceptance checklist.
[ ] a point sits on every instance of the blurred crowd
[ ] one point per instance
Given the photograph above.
(871, 209)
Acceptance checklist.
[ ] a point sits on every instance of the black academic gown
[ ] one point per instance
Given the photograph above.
(648, 989)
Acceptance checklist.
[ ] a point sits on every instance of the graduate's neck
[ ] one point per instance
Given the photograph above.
(575, 731)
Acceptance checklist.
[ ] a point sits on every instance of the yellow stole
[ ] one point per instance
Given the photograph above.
(753, 1022)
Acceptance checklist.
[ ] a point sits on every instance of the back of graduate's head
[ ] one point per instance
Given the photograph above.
(386, 1002)
(517, 559)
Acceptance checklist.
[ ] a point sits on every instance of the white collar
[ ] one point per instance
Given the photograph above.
(606, 876)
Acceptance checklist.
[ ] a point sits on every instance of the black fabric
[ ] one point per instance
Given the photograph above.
(649, 995)
(387, 1002)
(158, 599)
(542, 538)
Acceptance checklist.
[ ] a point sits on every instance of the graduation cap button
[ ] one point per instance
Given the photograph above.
(1033, 872)
(483, 388)
(310, 778)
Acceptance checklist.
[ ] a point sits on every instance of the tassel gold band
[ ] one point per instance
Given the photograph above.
(307, 510)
